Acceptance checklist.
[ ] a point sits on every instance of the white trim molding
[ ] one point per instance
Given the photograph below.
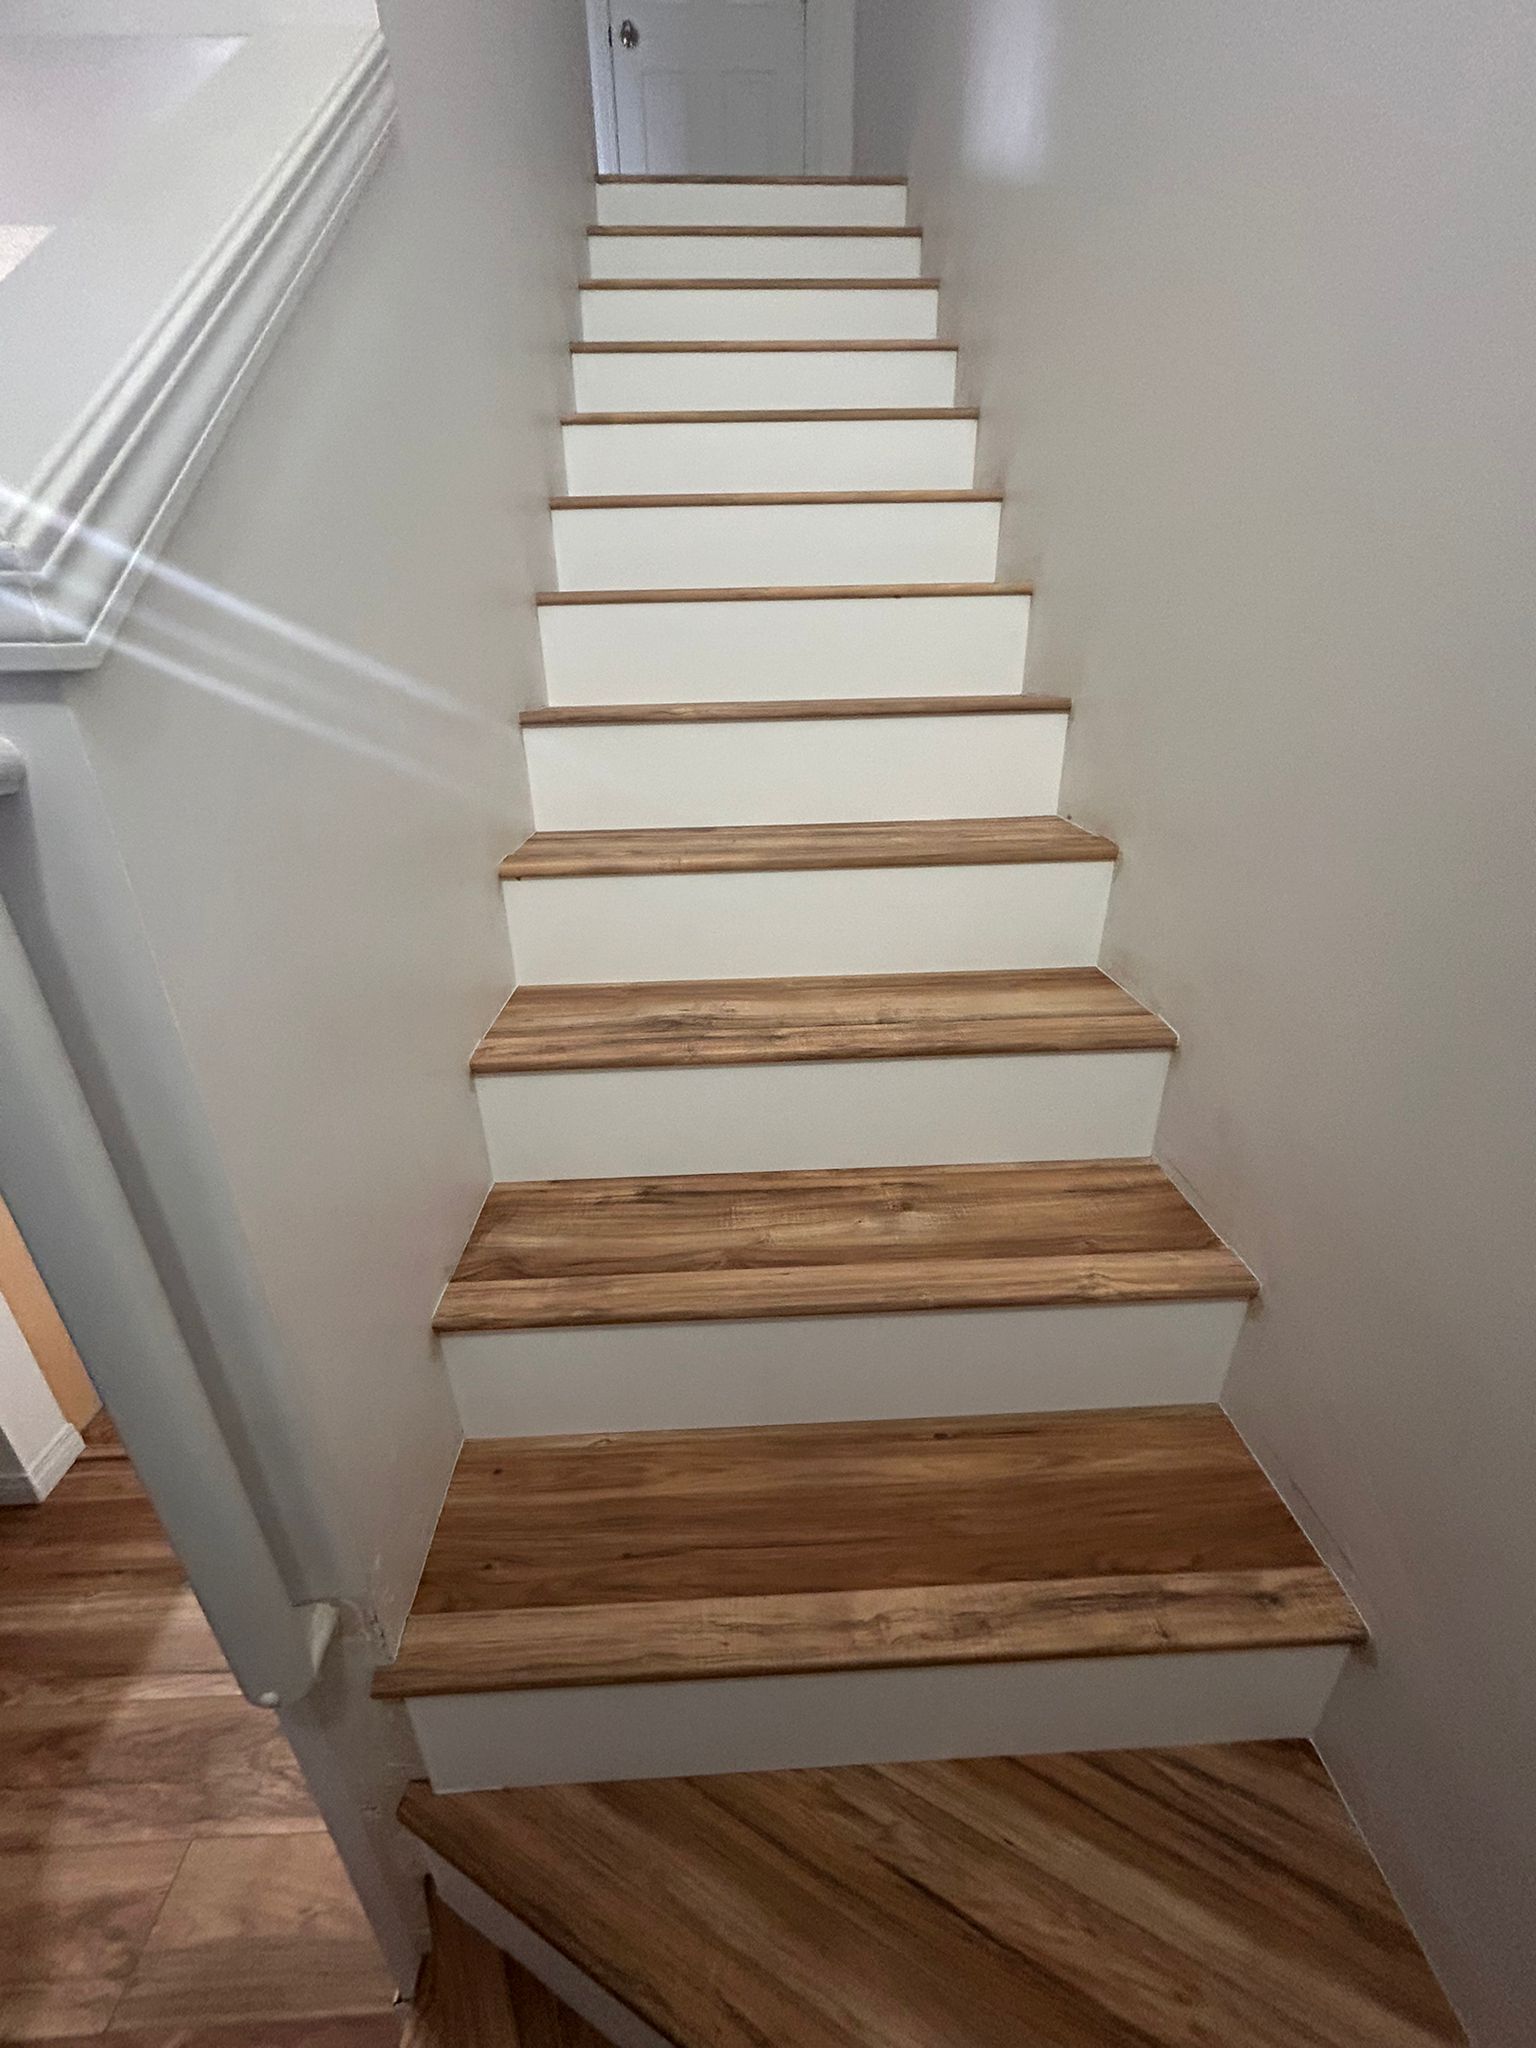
(43, 1470)
(198, 251)
(605, 107)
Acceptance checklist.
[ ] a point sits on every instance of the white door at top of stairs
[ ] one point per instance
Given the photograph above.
(711, 87)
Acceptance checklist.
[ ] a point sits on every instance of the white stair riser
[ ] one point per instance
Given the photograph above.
(860, 1368)
(754, 256)
(828, 921)
(585, 1734)
(699, 380)
(751, 206)
(724, 315)
(784, 647)
(708, 547)
(772, 455)
(794, 771)
(773, 1119)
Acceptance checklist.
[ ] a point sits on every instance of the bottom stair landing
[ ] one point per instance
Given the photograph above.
(1193, 1898)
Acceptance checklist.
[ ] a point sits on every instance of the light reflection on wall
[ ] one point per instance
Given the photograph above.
(17, 242)
(1011, 56)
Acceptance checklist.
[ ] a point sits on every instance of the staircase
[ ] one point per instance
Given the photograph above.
(813, 1120)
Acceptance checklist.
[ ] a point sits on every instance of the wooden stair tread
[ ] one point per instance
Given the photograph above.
(770, 418)
(755, 849)
(734, 178)
(780, 593)
(759, 284)
(843, 1241)
(749, 348)
(654, 501)
(756, 710)
(855, 1545)
(737, 233)
(567, 1028)
(1123, 1899)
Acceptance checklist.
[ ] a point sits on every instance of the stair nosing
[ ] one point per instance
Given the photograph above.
(719, 501)
(737, 232)
(778, 593)
(759, 284)
(851, 346)
(1007, 1621)
(775, 710)
(884, 415)
(877, 1287)
(737, 178)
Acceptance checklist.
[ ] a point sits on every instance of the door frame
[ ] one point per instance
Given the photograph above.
(829, 29)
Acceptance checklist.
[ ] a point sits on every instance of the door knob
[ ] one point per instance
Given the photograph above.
(629, 35)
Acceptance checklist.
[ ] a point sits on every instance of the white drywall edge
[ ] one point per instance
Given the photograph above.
(132, 334)
(38, 1444)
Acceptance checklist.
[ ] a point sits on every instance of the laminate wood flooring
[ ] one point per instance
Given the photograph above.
(834, 1546)
(843, 1017)
(834, 1241)
(768, 849)
(1196, 1898)
(164, 1875)
(474, 1996)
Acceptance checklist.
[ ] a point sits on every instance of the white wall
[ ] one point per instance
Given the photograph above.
(68, 104)
(306, 768)
(1248, 296)
(178, 17)
(267, 906)
(306, 744)
(37, 1442)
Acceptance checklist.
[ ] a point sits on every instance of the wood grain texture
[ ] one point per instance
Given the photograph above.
(569, 1028)
(832, 1546)
(255, 1929)
(766, 849)
(880, 1288)
(124, 1746)
(794, 1508)
(748, 348)
(697, 178)
(1199, 1898)
(710, 419)
(832, 1215)
(705, 1247)
(716, 500)
(374, 2030)
(474, 1996)
(753, 711)
(784, 593)
(799, 1634)
(736, 233)
(759, 284)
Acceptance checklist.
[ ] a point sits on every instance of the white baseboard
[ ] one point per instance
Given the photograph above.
(583, 1994)
(42, 1473)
